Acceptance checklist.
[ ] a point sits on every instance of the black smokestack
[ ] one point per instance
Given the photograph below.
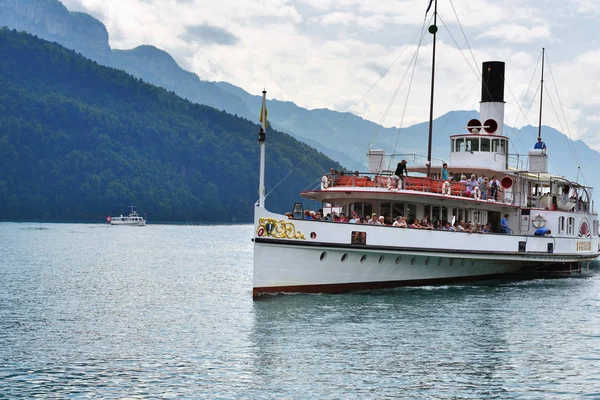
(492, 82)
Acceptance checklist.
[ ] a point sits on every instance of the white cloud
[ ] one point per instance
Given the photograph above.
(329, 53)
(518, 33)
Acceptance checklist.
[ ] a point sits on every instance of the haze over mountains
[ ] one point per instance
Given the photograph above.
(342, 136)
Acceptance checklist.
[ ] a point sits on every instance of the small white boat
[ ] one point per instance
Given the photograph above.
(133, 219)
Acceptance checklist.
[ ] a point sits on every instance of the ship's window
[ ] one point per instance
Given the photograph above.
(427, 261)
(435, 213)
(412, 262)
(561, 224)
(363, 258)
(472, 144)
(440, 261)
(384, 209)
(344, 257)
(452, 144)
(570, 226)
(485, 144)
(381, 259)
(358, 207)
(397, 210)
(358, 237)
(398, 259)
(503, 146)
(411, 212)
(596, 227)
(323, 256)
(460, 144)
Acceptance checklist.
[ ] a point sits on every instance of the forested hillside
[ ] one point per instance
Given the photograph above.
(79, 141)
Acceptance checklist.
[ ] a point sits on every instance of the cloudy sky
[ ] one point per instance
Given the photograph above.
(333, 53)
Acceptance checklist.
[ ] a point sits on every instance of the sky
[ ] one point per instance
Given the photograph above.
(357, 55)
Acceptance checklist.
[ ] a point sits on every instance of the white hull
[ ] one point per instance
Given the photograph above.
(326, 261)
(128, 223)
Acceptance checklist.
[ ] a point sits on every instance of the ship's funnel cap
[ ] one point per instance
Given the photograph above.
(492, 82)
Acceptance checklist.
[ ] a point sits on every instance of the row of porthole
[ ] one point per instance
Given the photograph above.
(398, 259)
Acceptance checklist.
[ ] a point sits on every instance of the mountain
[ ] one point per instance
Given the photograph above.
(342, 136)
(159, 68)
(51, 20)
(79, 141)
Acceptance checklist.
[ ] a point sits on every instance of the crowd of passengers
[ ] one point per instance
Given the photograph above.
(488, 188)
(400, 222)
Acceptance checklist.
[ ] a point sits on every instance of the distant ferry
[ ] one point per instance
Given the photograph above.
(133, 219)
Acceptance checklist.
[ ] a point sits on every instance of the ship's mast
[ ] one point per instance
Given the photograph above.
(261, 141)
(541, 94)
(433, 30)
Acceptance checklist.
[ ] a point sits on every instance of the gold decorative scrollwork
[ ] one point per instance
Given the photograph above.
(278, 229)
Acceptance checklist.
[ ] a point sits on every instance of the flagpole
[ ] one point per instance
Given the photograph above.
(433, 31)
(261, 141)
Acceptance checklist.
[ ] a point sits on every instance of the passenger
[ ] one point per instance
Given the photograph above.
(479, 229)
(504, 225)
(437, 225)
(381, 220)
(289, 215)
(367, 219)
(539, 144)
(471, 184)
(374, 220)
(494, 188)
(307, 214)
(342, 218)
(451, 177)
(415, 224)
(333, 177)
(448, 227)
(469, 228)
(480, 179)
(484, 188)
(355, 178)
(388, 221)
(401, 172)
(313, 215)
(361, 220)
(460, 226)
(425, 223)
(543, 231)
(444, 171)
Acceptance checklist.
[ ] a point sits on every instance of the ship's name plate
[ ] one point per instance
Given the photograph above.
(584, 246)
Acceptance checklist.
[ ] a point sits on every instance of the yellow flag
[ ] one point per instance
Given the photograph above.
(263, 111)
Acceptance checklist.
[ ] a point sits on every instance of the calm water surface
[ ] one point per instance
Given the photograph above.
(165, 311)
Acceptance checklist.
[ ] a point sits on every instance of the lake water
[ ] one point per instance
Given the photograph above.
(164, 311)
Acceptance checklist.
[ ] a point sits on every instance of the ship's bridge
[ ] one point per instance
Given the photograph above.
(479, 151)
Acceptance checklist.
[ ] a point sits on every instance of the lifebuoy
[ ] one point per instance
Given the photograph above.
(324, 182)
(538, 221)
(447, 188)
(392, 182)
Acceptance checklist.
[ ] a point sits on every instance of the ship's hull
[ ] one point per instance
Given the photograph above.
(128, 223)
(319, 257)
